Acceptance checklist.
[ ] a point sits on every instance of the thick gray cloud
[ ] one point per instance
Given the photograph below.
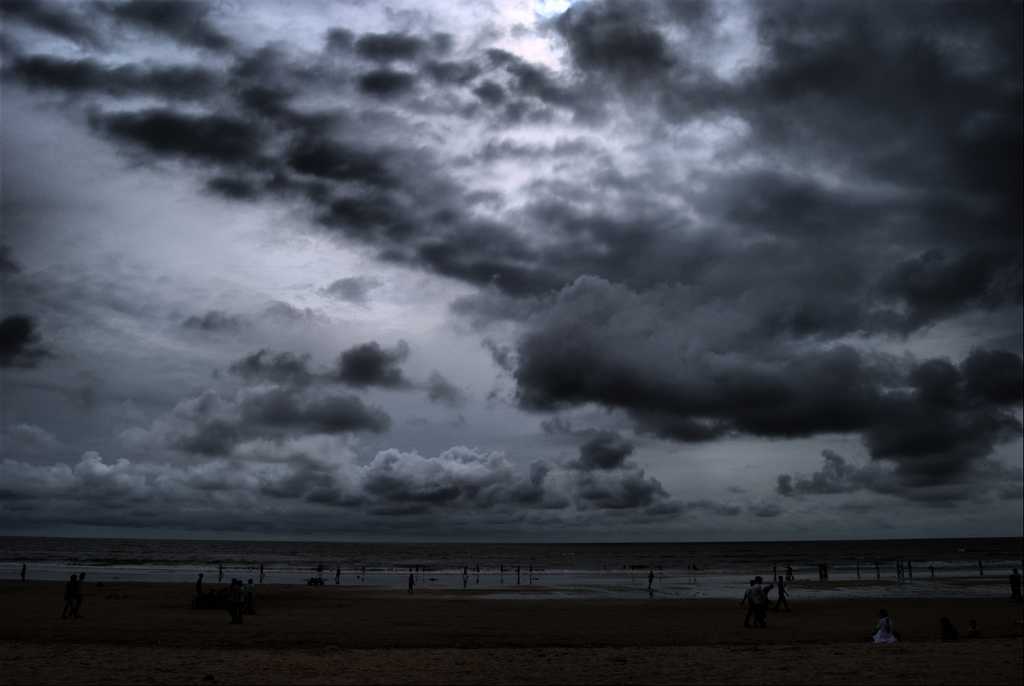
(370, 364)
(353, 289)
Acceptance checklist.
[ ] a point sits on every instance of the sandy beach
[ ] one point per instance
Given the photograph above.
(132, 633)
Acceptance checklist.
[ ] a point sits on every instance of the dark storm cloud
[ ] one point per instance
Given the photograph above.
(386, 47)
(90, 76)
(20, 342)
(215, 321)
(214, 437)
(210, 138)
(328, 413)
(386, 83)
(839, 476)
(185, 22)
(56, 18)
(601, 344)
(282, 368)
(370, 364)
(441, 390)
(606, 450)
(353, 289)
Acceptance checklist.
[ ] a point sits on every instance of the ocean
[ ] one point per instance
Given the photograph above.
(940, 567)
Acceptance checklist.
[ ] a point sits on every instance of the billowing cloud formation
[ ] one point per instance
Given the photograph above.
(658, 356)
(838, 476)
(716, 220)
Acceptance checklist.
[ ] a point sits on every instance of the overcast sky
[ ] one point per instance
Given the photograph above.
(605, 271)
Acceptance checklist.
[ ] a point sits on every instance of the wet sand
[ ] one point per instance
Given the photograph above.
(133, 633)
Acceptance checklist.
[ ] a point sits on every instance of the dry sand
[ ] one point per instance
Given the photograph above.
(146, 633)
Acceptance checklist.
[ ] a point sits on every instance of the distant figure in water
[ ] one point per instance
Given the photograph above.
(220, 573)
(70, 593)
(749, 602)
(1014, 585)
(337, 575)
(23, 571)
(949, 632)
(650, 583)
(783, 594)
(412, 582)
(465, 576)
(883, 630)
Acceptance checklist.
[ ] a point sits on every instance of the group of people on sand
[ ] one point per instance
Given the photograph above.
(757, 602)
(73, 597)
(237, 598)
(886, 633)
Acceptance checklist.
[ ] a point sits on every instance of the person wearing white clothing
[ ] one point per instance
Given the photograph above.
(883, 630)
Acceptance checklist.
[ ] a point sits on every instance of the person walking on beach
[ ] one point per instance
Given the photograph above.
(261, 572)
(337, 575)
(783, 594)
(759, 598)
(78, 596)
(235, 601)
(23, 571)
(220, 573)
(70, 591)
(465, 576)
(517, 574)
(412, 582)
(1015, 585)
(199, 585)
(749, 602)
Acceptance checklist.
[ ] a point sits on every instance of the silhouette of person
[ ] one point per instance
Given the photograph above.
(883, 630)
(23, 571)
(783, 594)
(789, 573)
(412, 582)
(517, 574)
(749, 602)
(650, 582)
(250, 597)
(949, 632)
(78, 595)
(220, 573)
(1014, 585)
(759, 599)
(235, 601)
(465, 576)
(261, 572)
(337, 575)
(199, 584)
(70, 592)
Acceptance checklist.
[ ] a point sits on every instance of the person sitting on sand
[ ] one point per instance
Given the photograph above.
(883, 630)
(949, 632)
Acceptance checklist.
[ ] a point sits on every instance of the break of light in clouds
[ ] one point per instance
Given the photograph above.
(524, 270)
